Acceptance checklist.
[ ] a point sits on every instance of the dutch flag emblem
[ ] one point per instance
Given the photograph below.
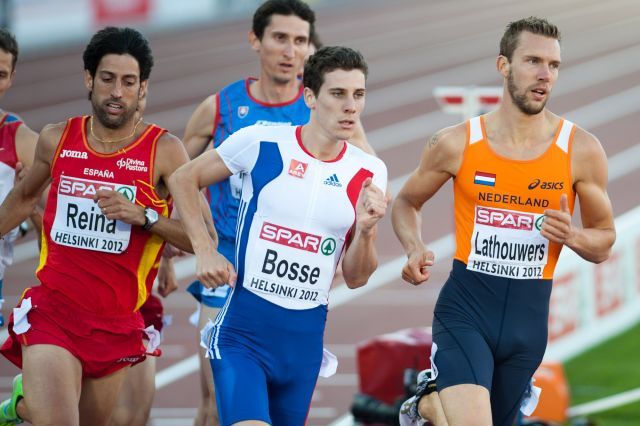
(482, 178)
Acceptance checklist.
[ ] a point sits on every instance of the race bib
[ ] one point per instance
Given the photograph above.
(291, 268)
(507, 243)
(79, 222)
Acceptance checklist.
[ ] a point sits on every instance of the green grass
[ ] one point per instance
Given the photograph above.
(608, 369)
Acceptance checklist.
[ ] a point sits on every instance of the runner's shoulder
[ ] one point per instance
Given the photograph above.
(52, 133)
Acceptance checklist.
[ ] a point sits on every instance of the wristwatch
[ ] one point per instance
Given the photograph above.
(150, 218)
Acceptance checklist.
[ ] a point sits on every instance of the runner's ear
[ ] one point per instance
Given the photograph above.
(254, 41)
(309, 98)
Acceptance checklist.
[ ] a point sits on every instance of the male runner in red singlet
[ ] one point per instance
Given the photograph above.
(104, 227)
(17, 146)
(516, 174)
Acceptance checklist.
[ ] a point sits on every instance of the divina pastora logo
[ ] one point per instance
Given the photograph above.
(132, 164)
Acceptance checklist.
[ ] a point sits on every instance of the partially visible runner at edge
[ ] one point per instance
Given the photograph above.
(17, 147)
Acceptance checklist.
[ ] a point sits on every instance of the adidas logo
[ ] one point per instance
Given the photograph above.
(333, 181)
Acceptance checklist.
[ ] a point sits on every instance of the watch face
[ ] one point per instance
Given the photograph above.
(151, 216)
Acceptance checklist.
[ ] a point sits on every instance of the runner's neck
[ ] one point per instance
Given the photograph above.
(272, 93)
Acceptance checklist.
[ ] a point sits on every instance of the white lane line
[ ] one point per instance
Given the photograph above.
(604, 404)
(177, 371)
(347, 379)
(607, 109)
(345, 420)
(322, 412)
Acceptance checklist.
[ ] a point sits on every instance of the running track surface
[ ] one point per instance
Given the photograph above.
(412, 46)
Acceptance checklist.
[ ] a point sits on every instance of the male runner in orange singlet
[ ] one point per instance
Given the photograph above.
(516, 173)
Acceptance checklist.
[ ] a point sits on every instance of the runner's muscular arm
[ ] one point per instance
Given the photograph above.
(169, 156)
(22, 199)
(594, 240)
(26, 140)
(441, 159)
(199, 129)
(196, 139)
(361, 259)
(185, 184)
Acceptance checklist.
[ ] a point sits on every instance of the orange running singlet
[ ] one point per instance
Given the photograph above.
(499, 205)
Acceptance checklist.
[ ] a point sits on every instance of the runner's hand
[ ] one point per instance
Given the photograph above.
(167, 281)
(116, 206)
(557, 223)
(416, 270)
(214, 270)
(371, 206)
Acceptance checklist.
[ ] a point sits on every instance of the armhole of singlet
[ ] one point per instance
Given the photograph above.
(152, 162)
(565, 135)
(475, 130)
(62, 140)
(216, 120)
(564, 141)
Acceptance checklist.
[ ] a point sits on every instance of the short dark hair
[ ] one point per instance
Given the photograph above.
(262, 15)
(9, 44)
(532, 24)
(118, 41)
(331, 58)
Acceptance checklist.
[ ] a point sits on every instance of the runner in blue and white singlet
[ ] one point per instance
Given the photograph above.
(308, 198)
(236, 109)
(289, 243)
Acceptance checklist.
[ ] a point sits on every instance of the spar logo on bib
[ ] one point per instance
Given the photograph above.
(290, 237)
(505, 218)
(83, 188)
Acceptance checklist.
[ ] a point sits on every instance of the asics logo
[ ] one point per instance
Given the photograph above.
(546, 185)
